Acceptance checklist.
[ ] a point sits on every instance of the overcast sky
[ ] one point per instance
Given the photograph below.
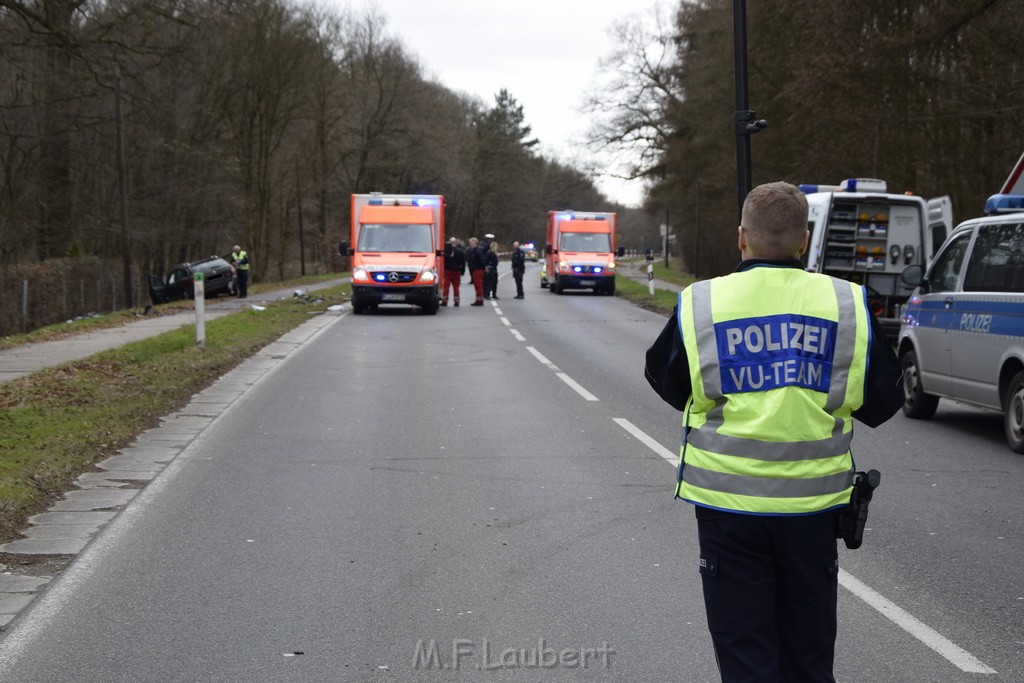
(544, 52)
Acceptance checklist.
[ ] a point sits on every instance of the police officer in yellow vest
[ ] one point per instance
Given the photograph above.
(769, 364)
(240, 260)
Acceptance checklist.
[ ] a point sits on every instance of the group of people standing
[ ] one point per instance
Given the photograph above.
(481, 258)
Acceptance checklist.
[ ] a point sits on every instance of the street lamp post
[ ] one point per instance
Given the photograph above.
(747, 122)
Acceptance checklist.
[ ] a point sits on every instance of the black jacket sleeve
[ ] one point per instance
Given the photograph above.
(883, 391)
(667, 369)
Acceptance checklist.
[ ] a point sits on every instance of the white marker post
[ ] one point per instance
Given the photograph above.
(199, 294)
(650, 278)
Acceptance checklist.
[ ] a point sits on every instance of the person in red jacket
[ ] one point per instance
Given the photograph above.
(454, 269)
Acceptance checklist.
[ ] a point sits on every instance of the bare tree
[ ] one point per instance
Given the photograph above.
(634, 95)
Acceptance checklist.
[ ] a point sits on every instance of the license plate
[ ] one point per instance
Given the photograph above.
(392, 297)
(587, 283)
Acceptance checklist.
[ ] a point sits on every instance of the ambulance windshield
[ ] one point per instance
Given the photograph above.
(596, 242)
(395, 237)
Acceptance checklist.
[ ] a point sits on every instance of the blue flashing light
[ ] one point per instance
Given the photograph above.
(424, 202)
(577, 269)
(863, 185)
(598, 269)
(380, 277)
(376, 201)
(807, 188)
(1004, 203)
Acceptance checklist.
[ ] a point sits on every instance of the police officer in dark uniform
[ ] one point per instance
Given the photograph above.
(477, 267)
(518, 268)
(491, 273)
(786, 359)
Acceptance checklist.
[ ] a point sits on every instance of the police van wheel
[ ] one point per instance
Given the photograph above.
(1013, 413)
(916, 403)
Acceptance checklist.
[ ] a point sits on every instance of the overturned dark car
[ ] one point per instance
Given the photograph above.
(218, 278)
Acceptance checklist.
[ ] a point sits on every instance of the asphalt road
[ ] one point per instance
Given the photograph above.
(489, 490)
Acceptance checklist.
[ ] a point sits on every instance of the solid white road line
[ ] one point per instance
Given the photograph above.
(957, 656)
(960, 658)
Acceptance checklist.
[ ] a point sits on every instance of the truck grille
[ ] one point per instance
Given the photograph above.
(392, 277)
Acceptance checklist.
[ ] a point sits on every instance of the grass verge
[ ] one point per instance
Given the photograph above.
(663, 300)
(56, 423)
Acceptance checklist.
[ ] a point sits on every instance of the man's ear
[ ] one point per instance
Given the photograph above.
(741, 240)
(803, 247)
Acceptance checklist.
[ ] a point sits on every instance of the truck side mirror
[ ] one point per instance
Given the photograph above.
(548, 249)
(913, 275)
(620, 252)
(343, 249)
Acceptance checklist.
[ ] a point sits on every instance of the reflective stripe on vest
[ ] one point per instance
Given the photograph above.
(238, 257)
(769, 427)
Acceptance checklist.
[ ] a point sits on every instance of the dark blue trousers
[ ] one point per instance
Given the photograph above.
(770, 587)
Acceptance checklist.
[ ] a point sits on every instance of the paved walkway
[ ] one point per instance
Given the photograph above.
(28, 358)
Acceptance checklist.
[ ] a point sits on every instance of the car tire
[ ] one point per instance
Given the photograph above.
(1013, 413)
(916, 403)
(358, 309)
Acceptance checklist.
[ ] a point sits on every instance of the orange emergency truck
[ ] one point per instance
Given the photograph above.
(580, 252)
(397, 248)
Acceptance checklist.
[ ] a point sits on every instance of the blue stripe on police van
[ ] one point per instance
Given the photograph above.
(970, 315)
(768, 352)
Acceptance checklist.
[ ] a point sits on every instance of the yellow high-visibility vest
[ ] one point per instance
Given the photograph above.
(238, 256)
(778, 362)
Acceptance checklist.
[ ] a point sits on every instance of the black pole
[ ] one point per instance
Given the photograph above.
(122, 190)
(696, 238)
(667, 231)
(298, 202)
(746, 120)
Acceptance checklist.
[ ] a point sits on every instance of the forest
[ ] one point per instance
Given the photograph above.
(136, 134)
(921, 94)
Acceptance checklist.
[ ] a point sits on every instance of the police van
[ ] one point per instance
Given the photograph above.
(863, 233)
(962, 331)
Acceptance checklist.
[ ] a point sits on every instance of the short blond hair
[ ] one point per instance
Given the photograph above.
(775, 220)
